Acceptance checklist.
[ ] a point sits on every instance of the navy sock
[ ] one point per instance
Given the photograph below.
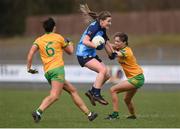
(92, 89)
(95, 91)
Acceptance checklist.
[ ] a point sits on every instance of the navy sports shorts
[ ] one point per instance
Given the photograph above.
(84, 59)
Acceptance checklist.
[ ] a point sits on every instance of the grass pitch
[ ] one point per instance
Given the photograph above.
(155, 109)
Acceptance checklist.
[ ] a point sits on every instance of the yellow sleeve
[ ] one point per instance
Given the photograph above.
(62, 41)
(36, 43)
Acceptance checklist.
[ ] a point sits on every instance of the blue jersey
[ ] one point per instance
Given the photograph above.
(92, 30)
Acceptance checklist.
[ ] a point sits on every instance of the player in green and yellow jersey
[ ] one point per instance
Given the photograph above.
(51, 46)
(133, 72)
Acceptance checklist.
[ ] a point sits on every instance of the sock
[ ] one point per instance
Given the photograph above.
(95, 91)
(87, 113)
(39, 111)
(115, 114)
(92, 89)
(90, 114)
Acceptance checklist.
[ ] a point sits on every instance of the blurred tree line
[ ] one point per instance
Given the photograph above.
(14, 12)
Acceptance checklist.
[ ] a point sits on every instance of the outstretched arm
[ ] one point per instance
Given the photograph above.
(108, 48)
(110, 51)
(31, 53)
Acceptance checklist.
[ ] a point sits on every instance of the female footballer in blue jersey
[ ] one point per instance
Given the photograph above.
(86, 50)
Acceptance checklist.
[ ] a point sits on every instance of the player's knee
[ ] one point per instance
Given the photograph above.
(103, 70)
(54, 97)
(112, 90)
(127, 100)
(107, 76)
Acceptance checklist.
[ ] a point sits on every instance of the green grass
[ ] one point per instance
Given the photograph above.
(154, 109)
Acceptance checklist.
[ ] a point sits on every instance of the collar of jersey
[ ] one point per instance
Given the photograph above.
(49, 32)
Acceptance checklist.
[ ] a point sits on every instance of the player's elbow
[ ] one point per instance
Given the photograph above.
(69, 50)
(85, 41)
(69, 53)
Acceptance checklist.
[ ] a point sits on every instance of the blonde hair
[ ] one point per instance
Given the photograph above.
(90, 16)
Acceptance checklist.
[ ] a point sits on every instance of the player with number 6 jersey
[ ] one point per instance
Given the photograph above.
(51, 46)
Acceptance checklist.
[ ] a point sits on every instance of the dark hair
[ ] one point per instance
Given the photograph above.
(49, 24)
(90, 15)
(122, 36)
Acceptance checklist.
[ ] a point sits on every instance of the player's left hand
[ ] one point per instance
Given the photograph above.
(32, 71)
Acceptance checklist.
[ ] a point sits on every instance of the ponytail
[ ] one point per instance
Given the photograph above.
(89, 15)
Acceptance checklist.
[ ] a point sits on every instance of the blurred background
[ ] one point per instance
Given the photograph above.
(152, 26)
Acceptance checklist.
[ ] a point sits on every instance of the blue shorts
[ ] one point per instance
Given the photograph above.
(84, 59)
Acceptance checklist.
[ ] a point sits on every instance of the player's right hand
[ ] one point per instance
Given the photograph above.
(32, 71)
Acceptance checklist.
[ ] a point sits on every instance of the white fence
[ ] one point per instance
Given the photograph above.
(77, 74)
